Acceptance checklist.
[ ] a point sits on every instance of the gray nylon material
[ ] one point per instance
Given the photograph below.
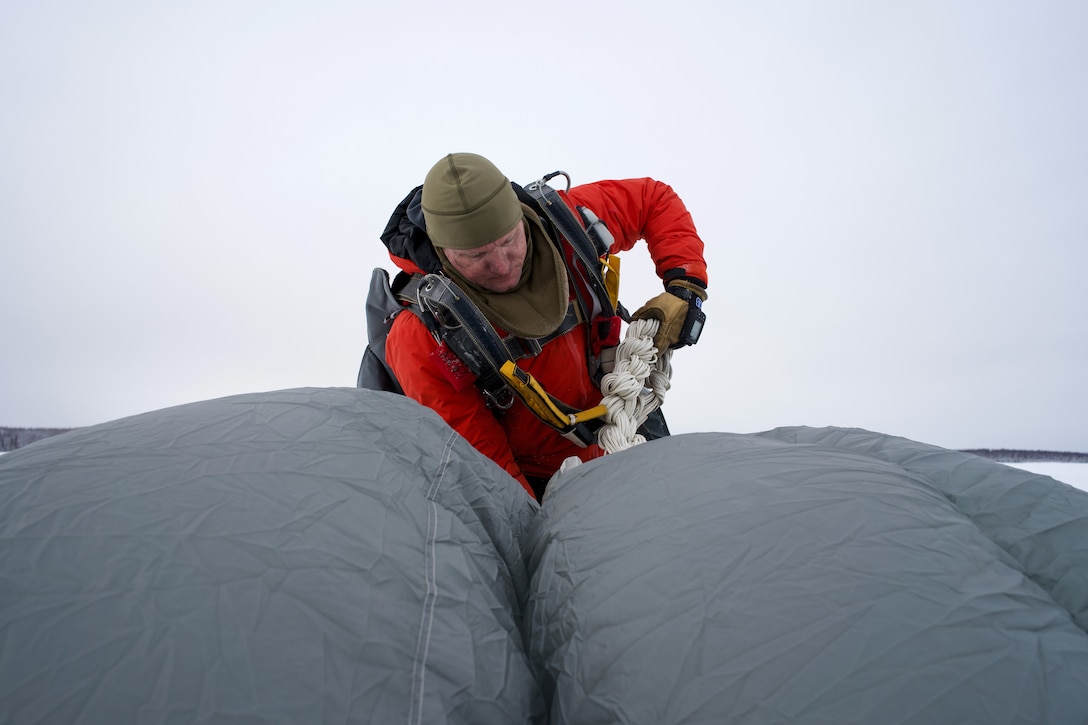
(302, 556)
(340, 555)
(808, 576)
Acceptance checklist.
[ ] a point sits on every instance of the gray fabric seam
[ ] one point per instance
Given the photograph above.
(426, 620)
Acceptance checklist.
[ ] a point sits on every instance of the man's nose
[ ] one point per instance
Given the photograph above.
(502, 264)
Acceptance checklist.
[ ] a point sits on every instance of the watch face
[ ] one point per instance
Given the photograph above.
(696, 329)
(693, 326)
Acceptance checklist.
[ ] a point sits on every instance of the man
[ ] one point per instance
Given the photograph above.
(468, 222)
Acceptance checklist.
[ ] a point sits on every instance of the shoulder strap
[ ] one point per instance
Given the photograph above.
(467, 332)
(583, 250)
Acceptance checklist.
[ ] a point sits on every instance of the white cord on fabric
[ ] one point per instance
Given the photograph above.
(635, 388)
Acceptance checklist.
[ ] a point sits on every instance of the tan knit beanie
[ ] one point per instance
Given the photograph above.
(467, 202)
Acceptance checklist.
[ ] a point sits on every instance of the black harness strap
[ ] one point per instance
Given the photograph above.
(474, 340)
(584, 256)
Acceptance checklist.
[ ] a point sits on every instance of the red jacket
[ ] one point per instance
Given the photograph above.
(516, 439)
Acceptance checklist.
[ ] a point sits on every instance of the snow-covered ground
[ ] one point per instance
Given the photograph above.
(1075, 474)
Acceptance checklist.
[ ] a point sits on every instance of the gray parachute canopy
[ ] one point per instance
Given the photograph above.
(304, 556)
(341, 555)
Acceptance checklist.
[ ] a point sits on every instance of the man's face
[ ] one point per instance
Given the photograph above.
(496, 266)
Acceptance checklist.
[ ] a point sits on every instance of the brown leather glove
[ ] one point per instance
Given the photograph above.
(670, 310)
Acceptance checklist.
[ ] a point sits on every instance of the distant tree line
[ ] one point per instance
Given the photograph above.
(12, 438)
(1011, 455)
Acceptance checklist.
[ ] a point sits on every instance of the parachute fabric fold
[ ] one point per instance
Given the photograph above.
(808, 576)
(1042, 524)
(312, 555)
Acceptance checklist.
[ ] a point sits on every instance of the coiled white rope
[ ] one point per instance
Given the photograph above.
(635, 388)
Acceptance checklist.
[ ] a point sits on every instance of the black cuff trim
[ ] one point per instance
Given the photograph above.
(671, 275)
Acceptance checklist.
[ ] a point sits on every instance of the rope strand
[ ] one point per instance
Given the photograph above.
(635, 388)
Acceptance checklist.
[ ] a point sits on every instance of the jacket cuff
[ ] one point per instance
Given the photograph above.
(677, 274)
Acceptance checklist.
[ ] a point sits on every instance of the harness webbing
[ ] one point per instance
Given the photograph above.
(582, 254)
(458, 323)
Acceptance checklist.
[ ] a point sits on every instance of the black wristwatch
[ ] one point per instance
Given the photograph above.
(696, 318)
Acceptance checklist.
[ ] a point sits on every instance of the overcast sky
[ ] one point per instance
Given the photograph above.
(894, 195)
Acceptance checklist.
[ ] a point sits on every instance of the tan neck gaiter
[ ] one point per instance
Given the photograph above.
(538, 304)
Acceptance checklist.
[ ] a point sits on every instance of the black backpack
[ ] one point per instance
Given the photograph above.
(382, 305)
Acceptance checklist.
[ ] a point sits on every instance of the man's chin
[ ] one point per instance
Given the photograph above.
(500, 288)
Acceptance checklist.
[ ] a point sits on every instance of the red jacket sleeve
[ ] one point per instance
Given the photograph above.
(408, 350)
(635, 209)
